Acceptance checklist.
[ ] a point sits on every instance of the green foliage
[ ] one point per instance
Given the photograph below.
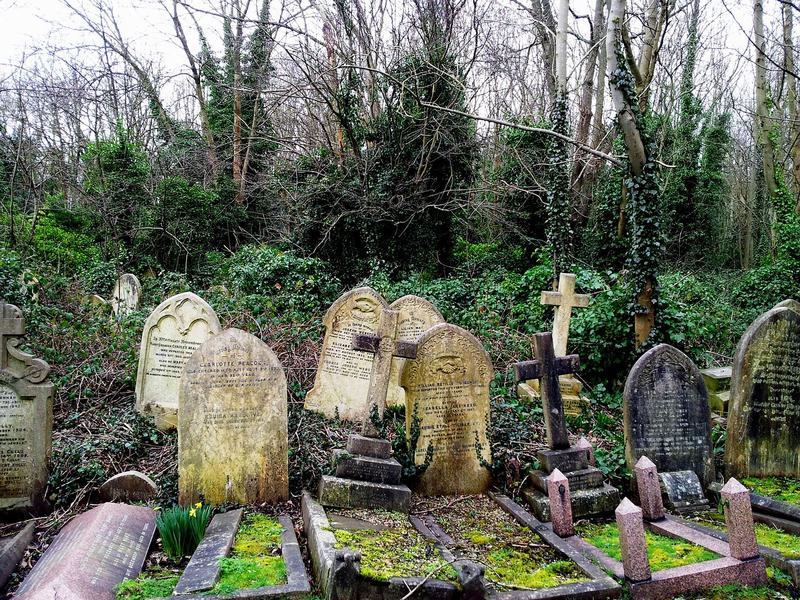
(559, 198)
(146, 587)
(12, 272)
(405, 445)
(181, 529)
(603, 247)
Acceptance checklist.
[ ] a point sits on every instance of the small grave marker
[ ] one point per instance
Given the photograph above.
(125, 295)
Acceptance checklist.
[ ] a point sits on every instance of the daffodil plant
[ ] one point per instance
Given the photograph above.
(182, 528)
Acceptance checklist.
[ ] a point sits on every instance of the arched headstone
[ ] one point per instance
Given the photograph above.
(125, 295)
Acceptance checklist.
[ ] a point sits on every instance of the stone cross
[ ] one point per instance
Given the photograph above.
(384, 346)
(548, 367)
(565, 299)
(11, 325)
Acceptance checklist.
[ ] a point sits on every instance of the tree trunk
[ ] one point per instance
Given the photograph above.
(545, 26)
(762, 121)
(791, 98)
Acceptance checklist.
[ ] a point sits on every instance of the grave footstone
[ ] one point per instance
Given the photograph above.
(590, 495)
(447, 390)
(232, 427)
(26, 417)
(416, 316)
(764, 414)
(667, 418)
(341, 385)
(128, 486)
(564, 300)
(92, 554)
(125, 295)
(172, 332)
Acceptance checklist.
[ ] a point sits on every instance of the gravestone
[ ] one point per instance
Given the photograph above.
(718, 384)
(447, 389)
(764, 413)
(26, 418)
(341, 385)
(125, 295)
(172, 332)
(416, 316)
(789, 303)
(590, 495)
(232, 426)
(128, 486)
(667, 418)
(92, 554)
(564, 300)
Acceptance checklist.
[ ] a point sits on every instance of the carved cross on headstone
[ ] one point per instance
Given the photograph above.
(565, 299)
(11, 325)
(384, 346)
(548, 367)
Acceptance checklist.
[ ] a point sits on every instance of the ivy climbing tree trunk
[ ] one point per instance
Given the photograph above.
(791, 98)
(642, 186)
(763, 101)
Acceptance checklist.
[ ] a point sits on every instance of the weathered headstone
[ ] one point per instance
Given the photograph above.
(416, 316)
(564, 300)
(667, 419)
(125, 295)
(26, 417)
(764, 413)
(789, 303)
(718, 384)
(447, 389)
(93, 553)
(341, 385)
(172, 332)
(232, 427)
(589, 494)
(128, 486)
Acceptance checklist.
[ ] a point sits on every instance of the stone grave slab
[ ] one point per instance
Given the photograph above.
(341, 385)
(171, 334)
(93, 553)
(125, 295)
(202, 572)
(128, 486)
(415, 316)
(666, 414)
(447, 390)
(233, 404)
(764, 413)
(26, 418)
(718, 384)
(12, 549)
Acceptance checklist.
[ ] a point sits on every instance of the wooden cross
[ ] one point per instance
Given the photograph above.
(548, 367)
(565, 299)
(11, 325)
(384, 346)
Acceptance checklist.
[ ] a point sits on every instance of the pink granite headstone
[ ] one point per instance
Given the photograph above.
(560, 504)
(649, 489)
(93, 553)
(632, 542)
(739, 519)
(586, 445)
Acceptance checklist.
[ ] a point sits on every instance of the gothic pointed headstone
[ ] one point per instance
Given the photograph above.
(26, 417)
(171, 334)
(342, 383)
(589, 494)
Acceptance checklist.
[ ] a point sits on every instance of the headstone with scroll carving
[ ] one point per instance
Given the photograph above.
(26, 417)
(447, 389)
(172, 332)
(764, 411)
(233, 424)
(92, 554)
(341, 385)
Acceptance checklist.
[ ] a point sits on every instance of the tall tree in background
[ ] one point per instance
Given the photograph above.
(762, 122)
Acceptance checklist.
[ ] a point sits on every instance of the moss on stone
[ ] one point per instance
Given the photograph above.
(663, 552)
(784, 489)
(147, 585)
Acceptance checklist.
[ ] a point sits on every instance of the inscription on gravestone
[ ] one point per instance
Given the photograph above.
(447, 389)
(173, 331)
(764, 413)
(666, 414)
(233, 428)
(341, 385)
(92, 554)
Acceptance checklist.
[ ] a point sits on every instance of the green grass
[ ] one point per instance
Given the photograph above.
(663, 552)
(147, 586)
(786, 543)
(784, 489)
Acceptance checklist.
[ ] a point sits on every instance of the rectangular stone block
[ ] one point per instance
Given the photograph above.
(202, 572)
(683, 491)
(366, 468)
(366, 446)
(578, 480)
(585, 503)
(571, 459)
(349, 493)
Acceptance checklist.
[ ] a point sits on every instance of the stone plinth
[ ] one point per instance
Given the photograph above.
(366, 468)
(585, 503)
(351, 493)
(560, 504)
(718, 384)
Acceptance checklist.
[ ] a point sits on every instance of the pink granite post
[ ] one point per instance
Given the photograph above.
(560, 504)
(739, 519)
(632, 542)
(649, 489)
(586, 444)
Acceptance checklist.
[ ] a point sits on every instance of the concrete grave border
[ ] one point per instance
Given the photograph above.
(297, 582)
